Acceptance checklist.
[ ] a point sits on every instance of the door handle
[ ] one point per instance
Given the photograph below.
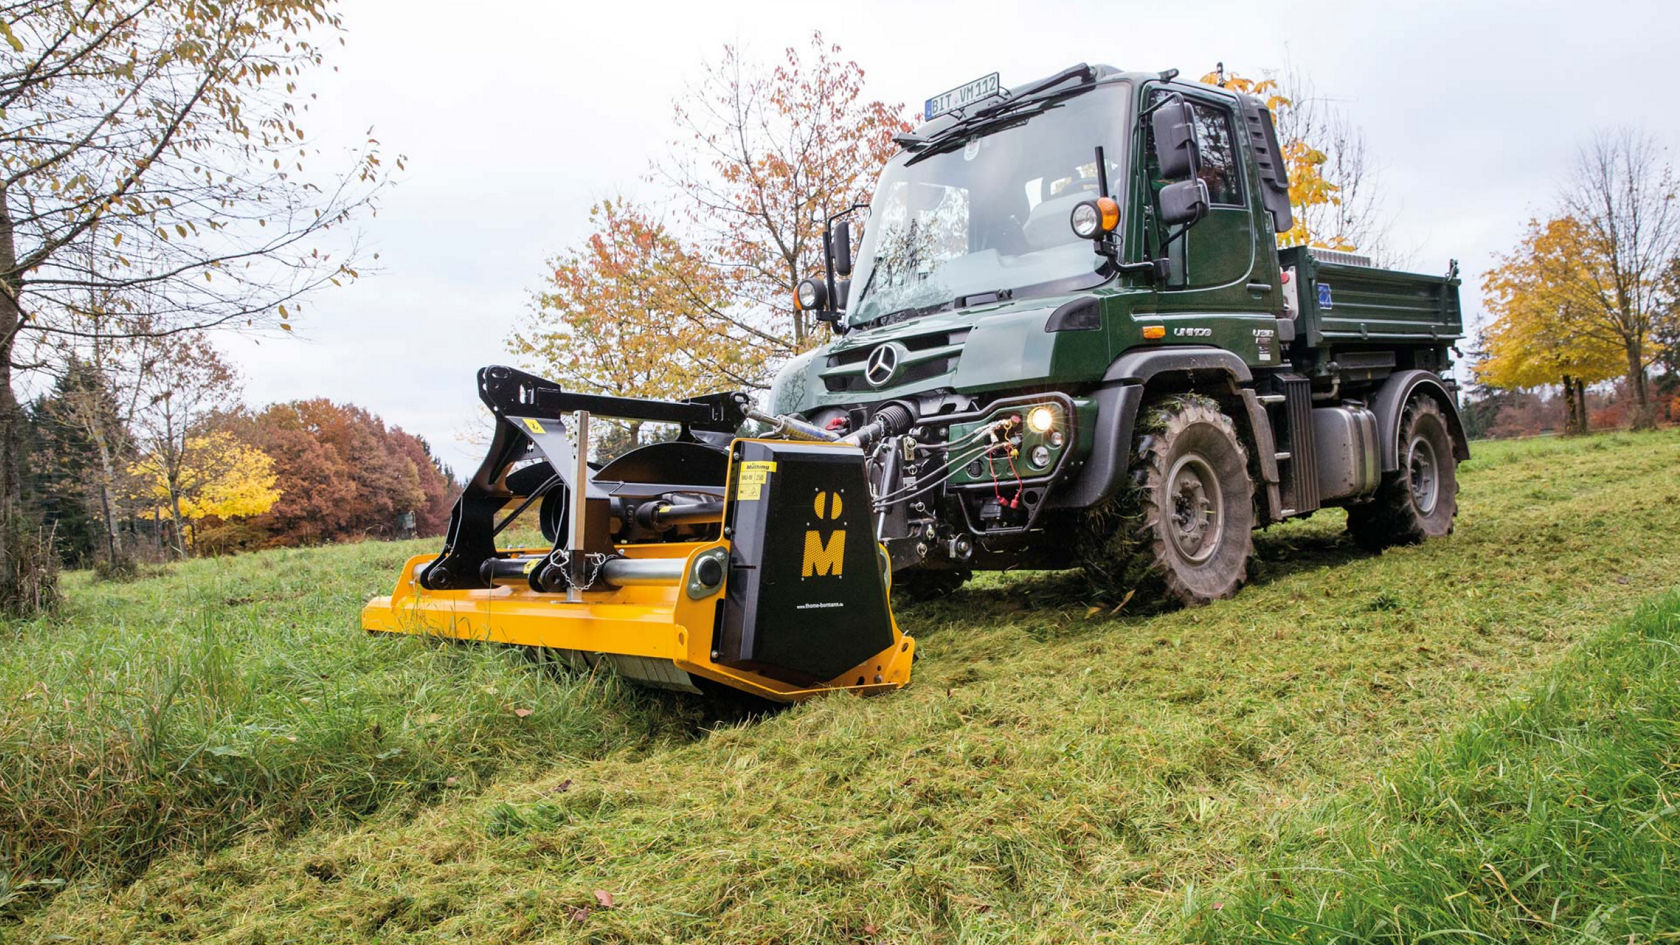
(1259, 287)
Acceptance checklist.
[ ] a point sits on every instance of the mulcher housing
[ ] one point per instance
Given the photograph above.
(710, 561)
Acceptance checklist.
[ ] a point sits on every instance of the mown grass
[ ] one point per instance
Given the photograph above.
(1052, 775)
(1554, 817)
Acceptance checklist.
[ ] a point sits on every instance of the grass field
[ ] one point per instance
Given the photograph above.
(1463, 741)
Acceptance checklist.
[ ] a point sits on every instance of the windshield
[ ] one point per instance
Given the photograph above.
(989, 212)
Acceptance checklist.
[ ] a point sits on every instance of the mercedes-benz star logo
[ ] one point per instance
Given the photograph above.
(882, 366)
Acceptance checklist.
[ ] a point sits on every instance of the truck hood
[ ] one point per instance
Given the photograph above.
(994, 345)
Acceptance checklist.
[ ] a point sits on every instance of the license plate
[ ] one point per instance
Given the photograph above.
(961, 96)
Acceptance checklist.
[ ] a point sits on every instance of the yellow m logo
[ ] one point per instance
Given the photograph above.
(823, 558)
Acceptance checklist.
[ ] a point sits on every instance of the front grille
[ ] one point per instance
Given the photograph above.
(927, 356)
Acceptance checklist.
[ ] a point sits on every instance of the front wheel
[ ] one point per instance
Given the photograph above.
(1185, 530)
(1419, 500)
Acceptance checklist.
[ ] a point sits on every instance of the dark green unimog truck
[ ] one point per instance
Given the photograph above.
(1067, 338)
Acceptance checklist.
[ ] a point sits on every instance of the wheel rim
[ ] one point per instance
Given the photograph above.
(1423, 470)
(1196, 508)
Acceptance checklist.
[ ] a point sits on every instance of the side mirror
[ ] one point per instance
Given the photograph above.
(1184, 202)
(1175, 140)
(842, 248)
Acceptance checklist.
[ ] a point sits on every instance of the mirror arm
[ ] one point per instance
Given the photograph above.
(832, 313)
(1165, 99)
(828, 272)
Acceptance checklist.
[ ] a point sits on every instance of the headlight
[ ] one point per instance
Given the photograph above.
(1040, 457)
(1041, 419)
(809, 295)
(1085, 220)
(1092, 218)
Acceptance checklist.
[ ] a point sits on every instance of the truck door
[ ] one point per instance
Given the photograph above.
(1214, 262)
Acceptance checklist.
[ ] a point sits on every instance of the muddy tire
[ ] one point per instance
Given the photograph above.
(1183, 531)
(1420, 499)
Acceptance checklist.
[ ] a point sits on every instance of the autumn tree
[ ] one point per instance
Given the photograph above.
(209, 475)
(343, 474)
(1541, 332)
(629, 312)
(1333, 193)
(152, 162)
(1622, 194)
(766, 154)
(186, 386)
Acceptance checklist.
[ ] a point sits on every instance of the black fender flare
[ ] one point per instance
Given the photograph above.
(1389, 404)
(1120, 397)
(1139, 367)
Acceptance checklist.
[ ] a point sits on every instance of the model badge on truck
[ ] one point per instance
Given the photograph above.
(1193, 332)
(882, 366)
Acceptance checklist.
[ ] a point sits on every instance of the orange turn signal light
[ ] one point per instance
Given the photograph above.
(1154, 332)
(1110, 210)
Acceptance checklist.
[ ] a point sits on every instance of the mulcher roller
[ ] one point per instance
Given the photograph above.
(711, 560)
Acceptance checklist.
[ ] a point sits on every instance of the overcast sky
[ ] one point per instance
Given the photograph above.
(517, 116)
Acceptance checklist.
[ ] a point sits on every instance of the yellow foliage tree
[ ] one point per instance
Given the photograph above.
(1308, 185)
(212, 475)
(1542, 332)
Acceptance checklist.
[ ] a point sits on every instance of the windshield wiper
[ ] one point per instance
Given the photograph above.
(1040, 94)
(961, 301)
(905, 314)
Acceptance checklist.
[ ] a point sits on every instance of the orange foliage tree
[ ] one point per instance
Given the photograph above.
(630, 312)
(766, 154)
(343, 474)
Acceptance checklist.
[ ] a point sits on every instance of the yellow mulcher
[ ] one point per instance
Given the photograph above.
(712, 560)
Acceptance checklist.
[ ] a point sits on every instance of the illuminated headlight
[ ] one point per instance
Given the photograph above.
(1086, 220)
(809, 295)
(1041, 419)
(1040, 457)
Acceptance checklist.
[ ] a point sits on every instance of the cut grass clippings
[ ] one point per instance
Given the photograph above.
(1052, 775)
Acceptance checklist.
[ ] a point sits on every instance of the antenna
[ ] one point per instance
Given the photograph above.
(1219, 68)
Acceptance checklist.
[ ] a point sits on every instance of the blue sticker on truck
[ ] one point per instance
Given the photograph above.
(1324, 296)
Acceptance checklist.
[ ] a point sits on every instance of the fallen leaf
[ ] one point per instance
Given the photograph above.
(1123, 601)
(451, 781)
(870, 929)
(563, 786)
(577, 913)
(604, 898)
(1092, 611)
(521, 712)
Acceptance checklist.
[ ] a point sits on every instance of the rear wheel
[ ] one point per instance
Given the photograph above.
(1184, 530)
(1420, 499)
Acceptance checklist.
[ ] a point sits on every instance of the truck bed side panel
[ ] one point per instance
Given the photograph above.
(1341, 303)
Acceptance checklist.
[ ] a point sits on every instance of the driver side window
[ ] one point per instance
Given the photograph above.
(1220, 168)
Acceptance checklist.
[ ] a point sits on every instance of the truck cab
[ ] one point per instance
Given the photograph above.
(1069, 303)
